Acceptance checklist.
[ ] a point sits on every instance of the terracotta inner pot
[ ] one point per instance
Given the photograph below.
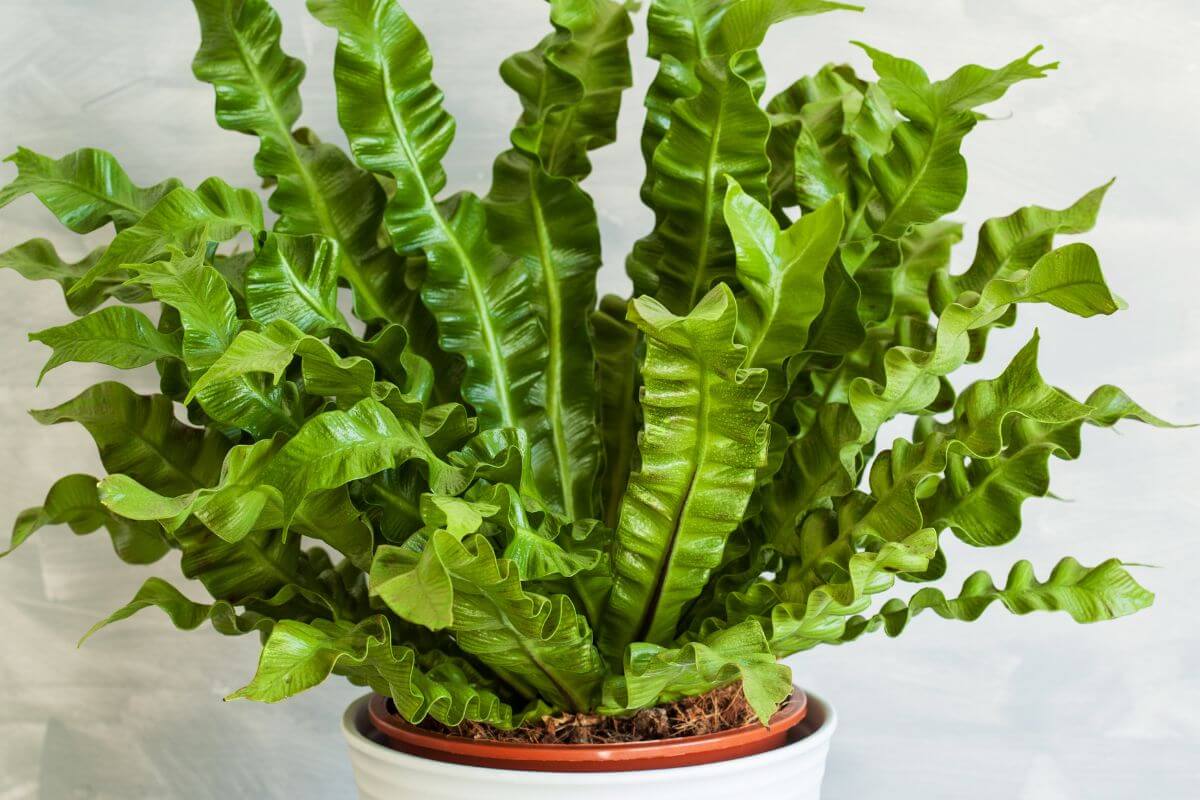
(623, 756)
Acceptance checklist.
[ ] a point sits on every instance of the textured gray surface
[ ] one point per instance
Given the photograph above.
(1031, 708)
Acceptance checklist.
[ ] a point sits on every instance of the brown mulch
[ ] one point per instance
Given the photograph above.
(719, 710)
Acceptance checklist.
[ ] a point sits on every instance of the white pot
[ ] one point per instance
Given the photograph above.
(791, 772)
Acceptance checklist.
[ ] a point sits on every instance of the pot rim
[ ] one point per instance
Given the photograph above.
(790, 714)
(367, 743)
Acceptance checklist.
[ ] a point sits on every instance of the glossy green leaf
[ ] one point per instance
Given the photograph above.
(617, 377)
(744, 25)
(298, 656)
(295, 279)
(250, 351)
(259, 564)
(181, 219)
(720, 131)
(37, 260)
(546, 222)
(200, 295)
(118, 336)
(704, 439)
(1069, 278)
(329, 451)
(805, 611)
(549, 227)
(319, 190)
(184, 614)
(232, 509)
(86, 189)
(980, 499)
(571, 84)
(898, 477)
(139, 436)
(1016, 242)
(655, 674)
(783, 273)
(924, 175)
(393, 358)
(678, 31)
(392, 113)
(542, 640)
(419, 590)
(1103, 592)
(74, 501)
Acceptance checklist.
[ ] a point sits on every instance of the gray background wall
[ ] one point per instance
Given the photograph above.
(1031, 708)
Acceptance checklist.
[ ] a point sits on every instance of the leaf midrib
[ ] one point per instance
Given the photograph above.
(698, 460)
(522, 641)
(701, 270)
(303, 290)
(498, 366)
(554, 343)
(919, 175)
(136, 433)
(283, 132)
(83, 188)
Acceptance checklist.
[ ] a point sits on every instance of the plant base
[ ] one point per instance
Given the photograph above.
(793, 771)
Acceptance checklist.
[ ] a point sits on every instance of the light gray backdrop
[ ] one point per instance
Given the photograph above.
(1032, 708)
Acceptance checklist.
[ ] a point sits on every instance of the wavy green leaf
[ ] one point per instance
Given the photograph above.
(277, 483)
(570, 87)
(181, 219)
(268, 351)
(541, 640)
(184, 614)
(319, 190)
(804, 610)
(294, 278)
(118, 336)
(655, 674)
(924, 175)
(1016, 242)
(825, 130)
(1103, 592)
(233, 392)
(746, 22)
(704, 438)
(394, 360)
(620, 415)
(393, 116)
(548, 225)
(298, 656)
(677, 36)
(74, 501)
(337, 447)
(86, 189)
(206, 308)
(139, 436)
(37, 260)
(259, 564)
(980, 499)
(783, 273)
(1068, 278)
(720, 131)
(233, 508)
(981, 416)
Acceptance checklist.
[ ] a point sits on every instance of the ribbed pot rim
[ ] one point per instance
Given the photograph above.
(366, 742)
